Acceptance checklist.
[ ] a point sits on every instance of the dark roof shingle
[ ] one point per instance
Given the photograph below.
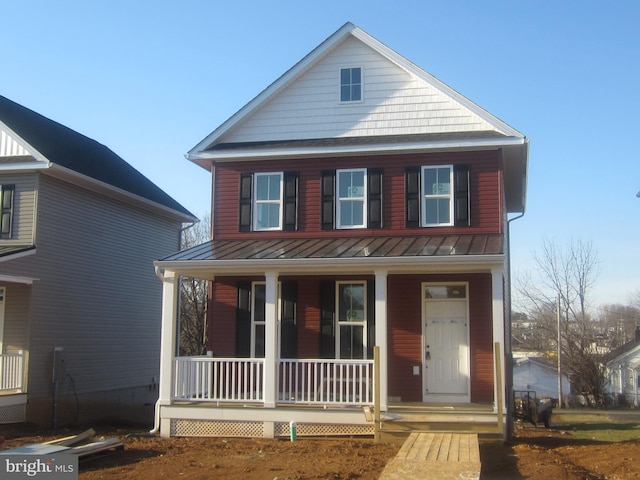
(72, 150)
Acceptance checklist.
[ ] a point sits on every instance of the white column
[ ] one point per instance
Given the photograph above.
(167, 341)
(381, 332)
(271, 339)
(497, 306)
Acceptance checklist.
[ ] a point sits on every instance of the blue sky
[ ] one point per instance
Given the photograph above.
(150, 79)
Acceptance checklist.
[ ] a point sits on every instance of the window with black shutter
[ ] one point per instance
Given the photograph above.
(6, 210)
(437, 196)
(268, 201)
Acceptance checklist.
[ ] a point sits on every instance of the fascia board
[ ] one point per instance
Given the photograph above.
(243, 155)
(312, 266)
(17, 279)
(274, 88)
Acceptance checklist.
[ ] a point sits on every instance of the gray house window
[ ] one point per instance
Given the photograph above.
(6, 210)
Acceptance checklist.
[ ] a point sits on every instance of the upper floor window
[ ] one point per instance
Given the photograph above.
(351, 198)
(437, 196)
(6, 210)
(268, 201)
(351, 84)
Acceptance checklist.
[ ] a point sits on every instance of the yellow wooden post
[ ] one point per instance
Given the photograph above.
(376, 393)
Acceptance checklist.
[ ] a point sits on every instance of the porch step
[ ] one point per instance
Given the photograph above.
(480, 419)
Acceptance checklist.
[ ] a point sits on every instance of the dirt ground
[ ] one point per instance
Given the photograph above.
(536, 453)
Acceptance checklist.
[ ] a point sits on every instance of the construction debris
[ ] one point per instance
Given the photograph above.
(85, 447)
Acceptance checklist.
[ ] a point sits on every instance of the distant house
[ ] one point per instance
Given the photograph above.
(622, 370)
(79, 300)
(539, 375)
(360, 205)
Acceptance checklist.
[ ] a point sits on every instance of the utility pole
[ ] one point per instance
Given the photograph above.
(559, 354)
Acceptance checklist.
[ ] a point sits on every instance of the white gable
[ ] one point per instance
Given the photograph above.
(395, 102)
(9, 146)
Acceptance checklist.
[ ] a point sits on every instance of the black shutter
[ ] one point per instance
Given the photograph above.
(6, 209)
(290, 201)
(288, 333)
(327, 200)
(374, 198)
(327, 319)
(243, 320)
(462, 197)
(412, 197)
(246, 201)
(371, 317)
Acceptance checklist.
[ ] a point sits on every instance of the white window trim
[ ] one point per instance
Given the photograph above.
(350, 102)
(351, 199)
(424, 196)
(362, 323)
(257, 202)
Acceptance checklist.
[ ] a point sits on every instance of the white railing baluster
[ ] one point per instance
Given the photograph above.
(300, 381)
(12, 371)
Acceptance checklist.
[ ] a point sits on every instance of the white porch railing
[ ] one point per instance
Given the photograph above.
(308, 381)
(12, 371)
(326, 382)
(218, 379)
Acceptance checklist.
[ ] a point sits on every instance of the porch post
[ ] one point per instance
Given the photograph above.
(167, 340)
(497, 306)
(381, 332)
(271, 339)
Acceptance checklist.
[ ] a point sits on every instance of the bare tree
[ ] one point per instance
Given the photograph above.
(562, 288)
(193, 297)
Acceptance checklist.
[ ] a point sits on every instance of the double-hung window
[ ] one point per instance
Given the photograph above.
(268, 201)
(437, 196)
(351, 198)
(351, 334)
(350, 84)
(6, 210)
(257, 320)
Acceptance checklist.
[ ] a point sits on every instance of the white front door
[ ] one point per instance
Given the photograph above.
(445, 349)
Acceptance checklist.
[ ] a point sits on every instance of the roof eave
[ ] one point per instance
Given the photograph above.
(313, 266)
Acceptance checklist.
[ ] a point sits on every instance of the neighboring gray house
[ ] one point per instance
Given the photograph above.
(79, 231)
(623, 373)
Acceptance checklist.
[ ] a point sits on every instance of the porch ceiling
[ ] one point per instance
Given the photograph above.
(348, 254)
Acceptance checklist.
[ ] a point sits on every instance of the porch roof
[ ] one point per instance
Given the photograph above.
(350, 253)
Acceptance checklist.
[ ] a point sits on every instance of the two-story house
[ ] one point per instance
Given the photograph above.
(79, 299)
(358, 202)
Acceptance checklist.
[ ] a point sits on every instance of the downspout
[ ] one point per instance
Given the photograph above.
(508, 382)
(156, 412)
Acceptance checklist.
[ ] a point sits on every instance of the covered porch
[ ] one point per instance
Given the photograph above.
(264, 395)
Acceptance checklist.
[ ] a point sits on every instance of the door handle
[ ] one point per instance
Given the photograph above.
(427, 355)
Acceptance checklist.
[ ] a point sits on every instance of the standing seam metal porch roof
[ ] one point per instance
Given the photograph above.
(343, 247)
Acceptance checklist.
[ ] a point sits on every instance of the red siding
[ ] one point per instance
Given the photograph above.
(404, 328)
(486, 193)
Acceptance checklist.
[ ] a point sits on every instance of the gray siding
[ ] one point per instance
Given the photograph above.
(24, 207)
(97, 295)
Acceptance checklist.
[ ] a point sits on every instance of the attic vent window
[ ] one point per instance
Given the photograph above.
(351, 84)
